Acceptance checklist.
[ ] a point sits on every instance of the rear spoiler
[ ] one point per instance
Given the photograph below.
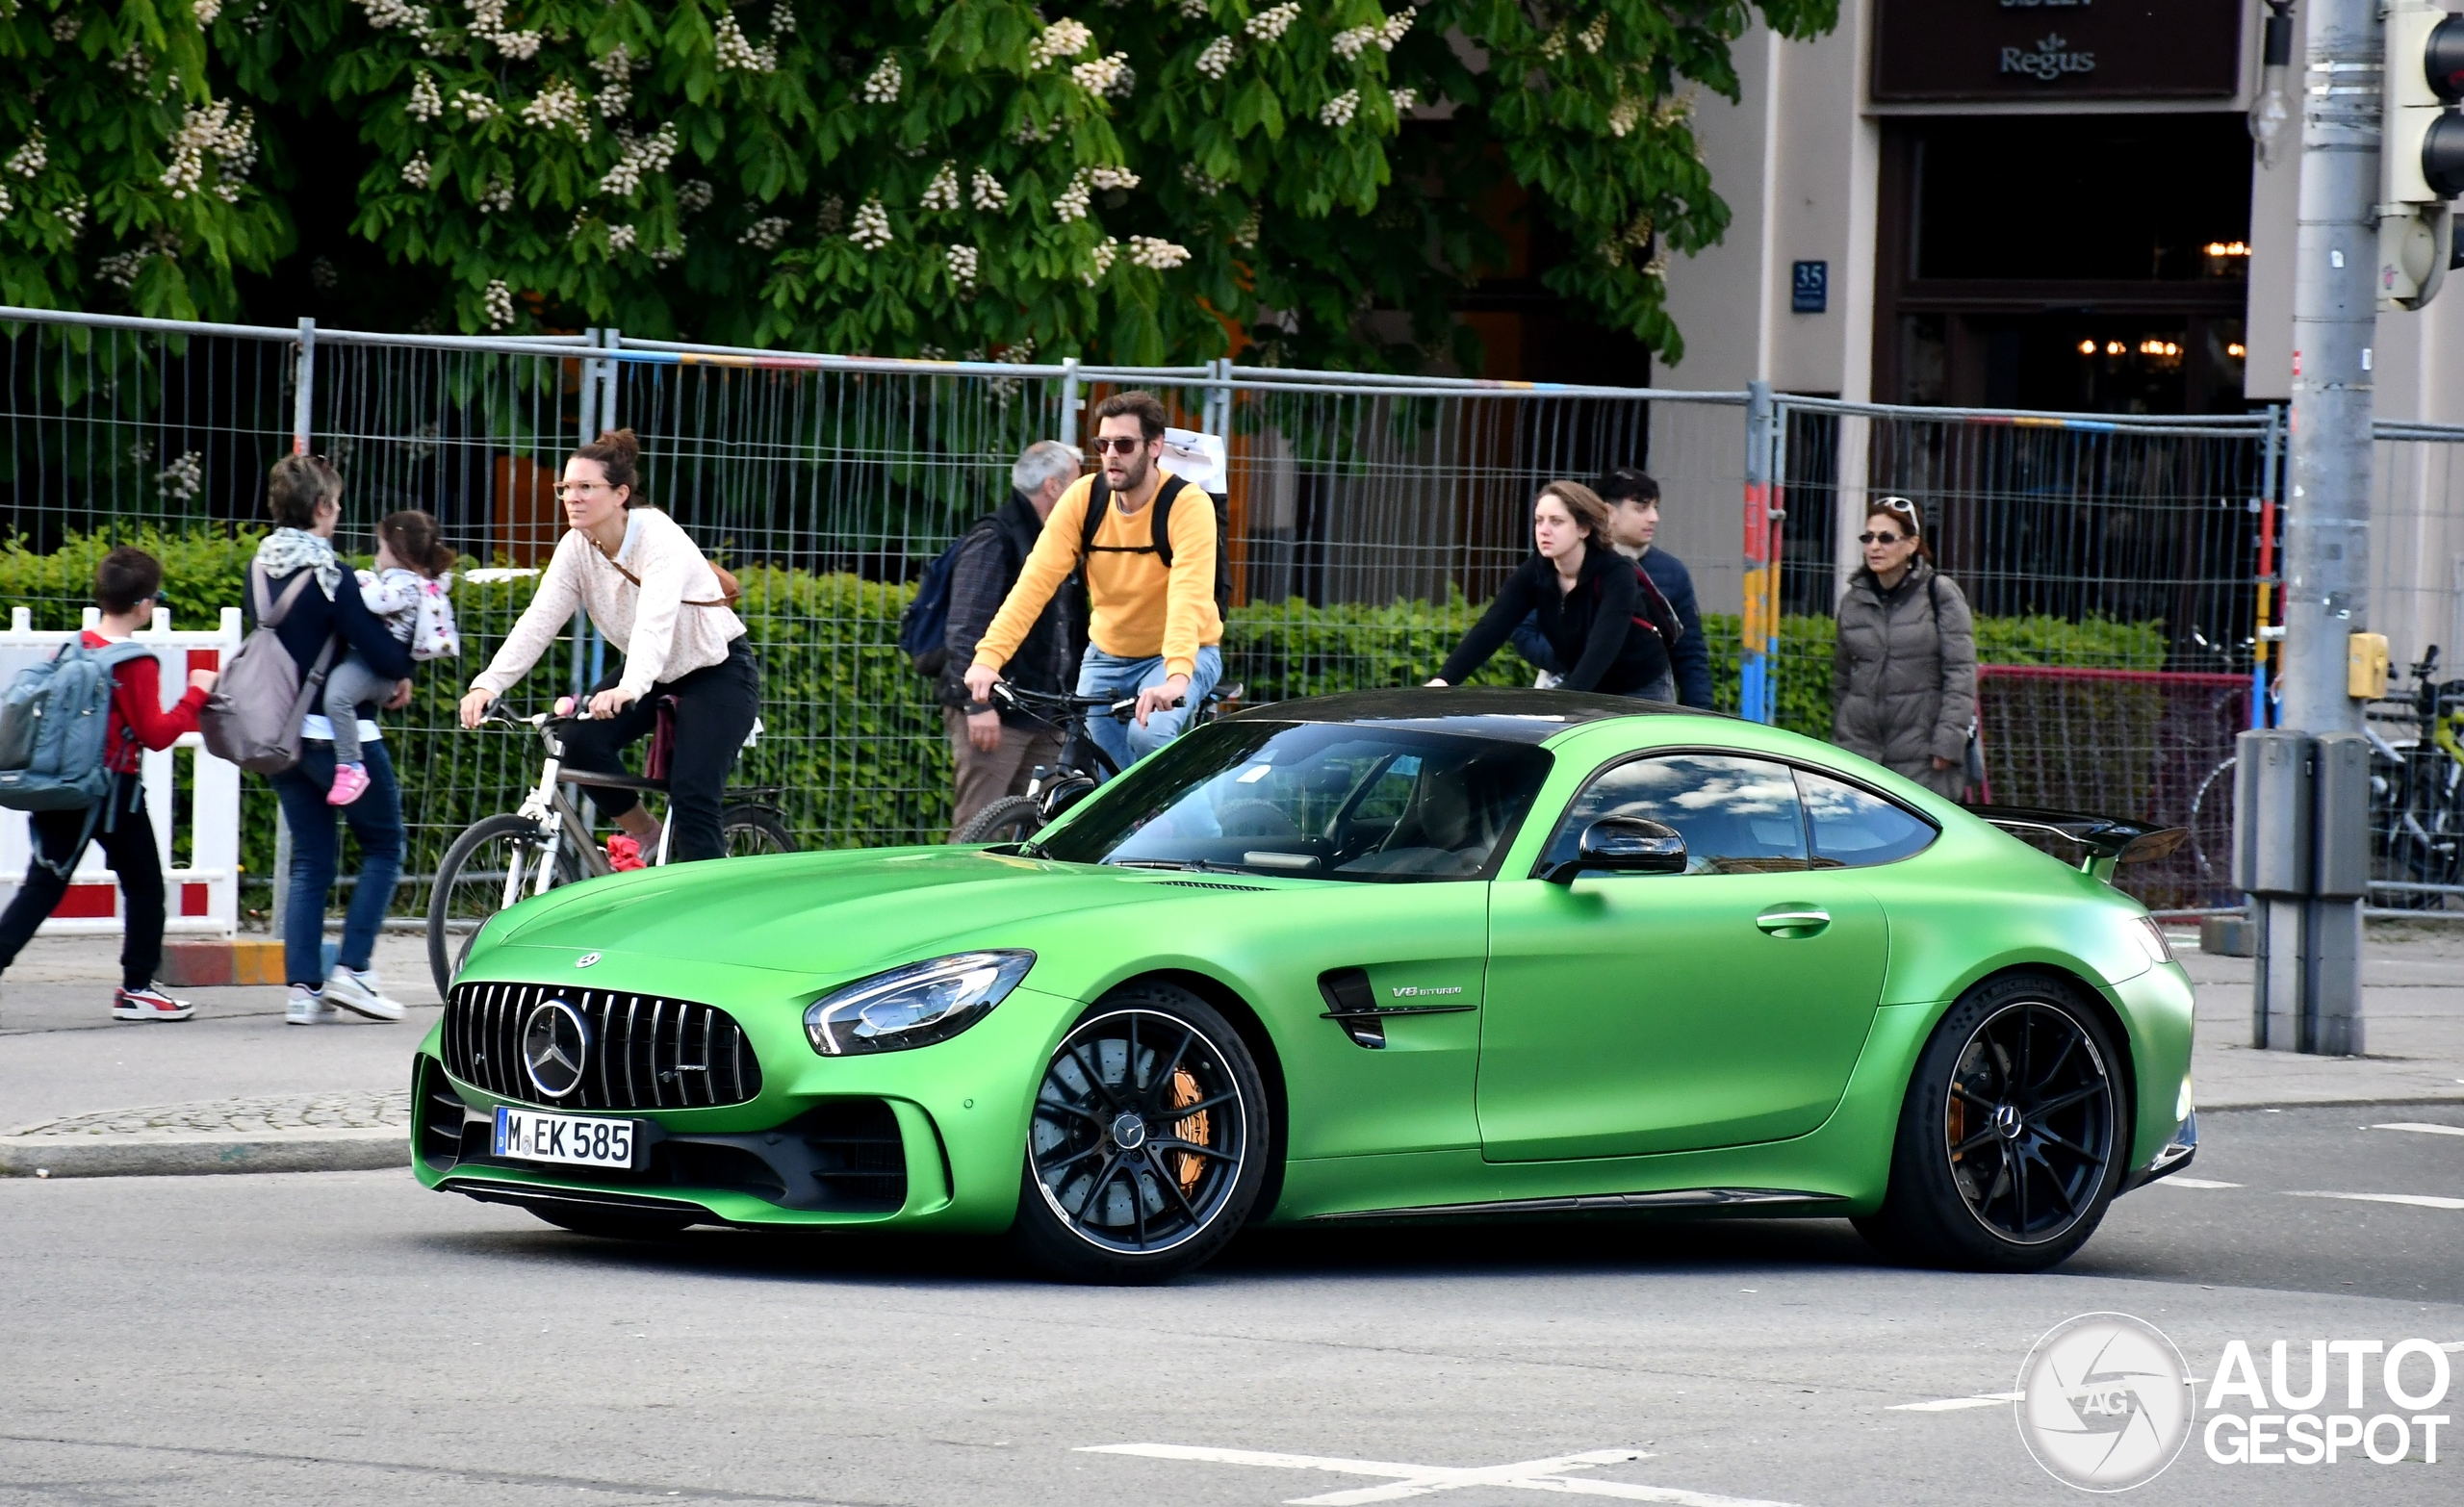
(2102, 841)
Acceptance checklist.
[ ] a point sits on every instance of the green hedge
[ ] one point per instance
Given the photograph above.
(851, 733)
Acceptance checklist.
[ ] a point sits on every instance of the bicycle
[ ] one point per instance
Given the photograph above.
(1052, 789)
(546, 842)
(2417, 787)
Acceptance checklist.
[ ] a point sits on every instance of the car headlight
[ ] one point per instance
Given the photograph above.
(2151, 939)
(914, 1006)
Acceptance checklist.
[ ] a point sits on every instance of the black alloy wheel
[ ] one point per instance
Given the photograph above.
(1148, 1141)
(2013, 1137)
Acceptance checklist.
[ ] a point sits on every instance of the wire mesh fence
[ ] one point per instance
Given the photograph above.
(2416, 600)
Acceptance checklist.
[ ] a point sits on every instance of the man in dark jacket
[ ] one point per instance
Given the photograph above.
(1634, 519)
(995, 750)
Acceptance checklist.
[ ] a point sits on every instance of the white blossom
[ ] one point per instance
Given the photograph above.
(29, 161)
(1353, 42)
(1063, 38)
(642, 157)
(212, 131)
(782, 19)
(833, 216)
(883, 84)
(1268, 25)
(1595, 36)
(65, 28)
(1099, 76)
(986, 191)
(1196, 10)
(183, 478)
(1071, 202)
(661, 256)
(693, 196)
(615, 70)
(871, 229)
(385, 15)
(942, 192)
(560, 105)
(475, 106)
(764, 234)
(1112, 177)
(1338, 111)
(1216, 59)
(123, 268)
(496, 197)
(1397, 25)
(1160, 254)
(498, 303)
(1553, 45)
(1623, 117)
(487, 24)
(417, 171)
(1102, 261)
(1202, 181)
(962, 265)
(427, 104)
(206, 12)
(73, 215)
(735, 52)
(1405, 99)
(7, 205)
(1245, 233)
(323, 273)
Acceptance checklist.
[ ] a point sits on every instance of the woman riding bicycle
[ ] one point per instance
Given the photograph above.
(649, 590)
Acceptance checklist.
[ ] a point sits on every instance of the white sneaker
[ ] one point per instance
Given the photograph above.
(357, 993)
(308, 1008)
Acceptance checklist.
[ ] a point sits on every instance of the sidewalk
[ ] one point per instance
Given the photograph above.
(238, 1090)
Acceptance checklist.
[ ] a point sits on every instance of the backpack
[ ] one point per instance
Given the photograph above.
(924, 626)
(1160, 534)
(54, 719)
(1654, 611)
(252, 718)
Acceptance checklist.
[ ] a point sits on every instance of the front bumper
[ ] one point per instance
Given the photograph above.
(2177, 1154)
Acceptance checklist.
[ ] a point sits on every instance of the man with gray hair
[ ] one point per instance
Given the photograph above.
(996, 749)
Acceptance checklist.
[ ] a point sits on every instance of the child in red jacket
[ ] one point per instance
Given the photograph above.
(125, 585)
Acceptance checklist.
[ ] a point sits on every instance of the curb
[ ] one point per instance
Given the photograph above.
(192, 1153)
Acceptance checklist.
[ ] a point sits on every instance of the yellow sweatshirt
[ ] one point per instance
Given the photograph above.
(1136, 607)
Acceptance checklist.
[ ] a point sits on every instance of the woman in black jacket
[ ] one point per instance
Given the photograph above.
(1588, 598)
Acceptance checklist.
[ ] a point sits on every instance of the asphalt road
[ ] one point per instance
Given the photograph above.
(346, 1338)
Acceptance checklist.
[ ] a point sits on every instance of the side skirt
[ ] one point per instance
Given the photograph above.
(1598, 1203)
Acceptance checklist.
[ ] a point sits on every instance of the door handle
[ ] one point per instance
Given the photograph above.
(1794, 920)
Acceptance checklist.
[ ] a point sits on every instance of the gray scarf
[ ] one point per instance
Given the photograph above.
(289, 550)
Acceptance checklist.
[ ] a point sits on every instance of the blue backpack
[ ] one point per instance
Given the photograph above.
(54, 720)
(926, 622)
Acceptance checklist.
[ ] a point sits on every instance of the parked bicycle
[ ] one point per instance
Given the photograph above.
(512, 856)
(1052, 789)
(2417, 787)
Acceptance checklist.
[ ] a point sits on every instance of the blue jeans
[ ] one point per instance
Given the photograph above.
(375, 821)
(1100, 673)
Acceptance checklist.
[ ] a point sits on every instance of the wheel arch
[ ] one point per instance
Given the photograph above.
(1228, 1003)
(2099, 1003)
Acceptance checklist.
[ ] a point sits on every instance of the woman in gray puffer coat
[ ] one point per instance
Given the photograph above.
(1903, 672)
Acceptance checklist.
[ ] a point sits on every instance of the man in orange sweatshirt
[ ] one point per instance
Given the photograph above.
(125, 585)
(1153, 629)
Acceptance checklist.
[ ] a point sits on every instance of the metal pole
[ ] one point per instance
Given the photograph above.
(1070, 402)
(609, 340)
(303, 409)
(2267, 505)
(2327, 521)
(1760, 633)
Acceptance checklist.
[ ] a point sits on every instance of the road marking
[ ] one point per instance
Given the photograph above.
(2427, 1130)
(2190, 1182)
(2418, 1200)
(1982, 1399)
(1418, 1480)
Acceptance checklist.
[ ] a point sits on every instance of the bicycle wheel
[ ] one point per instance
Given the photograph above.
(470, 883)
(1009, 819)
(750, 828)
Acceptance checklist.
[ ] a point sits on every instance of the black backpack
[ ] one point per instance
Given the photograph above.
(924, 626)
(1160, 533)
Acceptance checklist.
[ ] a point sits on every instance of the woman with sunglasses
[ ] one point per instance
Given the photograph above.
(650, 592)
(1903, 672)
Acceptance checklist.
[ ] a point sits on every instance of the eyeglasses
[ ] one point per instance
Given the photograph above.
(566, 489)
(1888, 538)
(1118, 444)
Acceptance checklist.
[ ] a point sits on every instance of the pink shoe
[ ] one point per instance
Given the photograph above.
(623, 854)
(351, 782)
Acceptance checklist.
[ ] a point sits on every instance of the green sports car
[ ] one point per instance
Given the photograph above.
(1389, 956)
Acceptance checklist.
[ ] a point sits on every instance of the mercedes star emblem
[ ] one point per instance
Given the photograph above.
(555, 1043)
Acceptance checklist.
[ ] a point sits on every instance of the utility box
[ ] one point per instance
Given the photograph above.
(2272, 774)
(2340, 833)
(2365, 666)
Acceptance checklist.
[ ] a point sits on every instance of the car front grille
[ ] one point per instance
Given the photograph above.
(645, 1052)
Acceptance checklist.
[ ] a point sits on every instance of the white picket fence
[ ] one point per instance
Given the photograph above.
(201, 889)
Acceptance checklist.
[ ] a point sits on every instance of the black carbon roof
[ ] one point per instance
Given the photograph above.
(1520, 714)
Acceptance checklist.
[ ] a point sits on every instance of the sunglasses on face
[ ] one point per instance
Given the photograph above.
(1117, 444)
(1879, 538)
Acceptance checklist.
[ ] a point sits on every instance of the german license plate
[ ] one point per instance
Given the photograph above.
(528, 1135)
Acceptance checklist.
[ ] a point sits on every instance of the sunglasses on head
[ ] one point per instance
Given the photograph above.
(1118, 444)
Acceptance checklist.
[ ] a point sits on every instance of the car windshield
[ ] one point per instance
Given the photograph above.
(1311, 800)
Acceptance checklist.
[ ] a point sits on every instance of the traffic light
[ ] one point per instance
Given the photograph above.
(2422, 152)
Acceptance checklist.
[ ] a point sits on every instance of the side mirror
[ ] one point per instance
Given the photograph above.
(1624, 845)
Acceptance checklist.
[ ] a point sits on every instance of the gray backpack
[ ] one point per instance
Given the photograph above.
(54, 720)
(252, 718)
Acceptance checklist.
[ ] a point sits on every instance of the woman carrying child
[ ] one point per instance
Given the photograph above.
(406, 591)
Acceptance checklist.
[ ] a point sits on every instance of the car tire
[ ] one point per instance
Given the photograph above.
(2003, 1163)
(610, 1226)
(1155, 1090)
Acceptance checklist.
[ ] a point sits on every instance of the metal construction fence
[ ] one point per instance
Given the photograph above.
(2115, 564)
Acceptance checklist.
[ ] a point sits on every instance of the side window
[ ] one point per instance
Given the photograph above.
(1738, 815)
(1854, 828)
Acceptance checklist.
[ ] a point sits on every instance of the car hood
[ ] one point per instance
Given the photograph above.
(840, 912)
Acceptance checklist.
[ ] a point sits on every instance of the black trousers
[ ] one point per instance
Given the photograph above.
(126, 833)
(714, 712)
